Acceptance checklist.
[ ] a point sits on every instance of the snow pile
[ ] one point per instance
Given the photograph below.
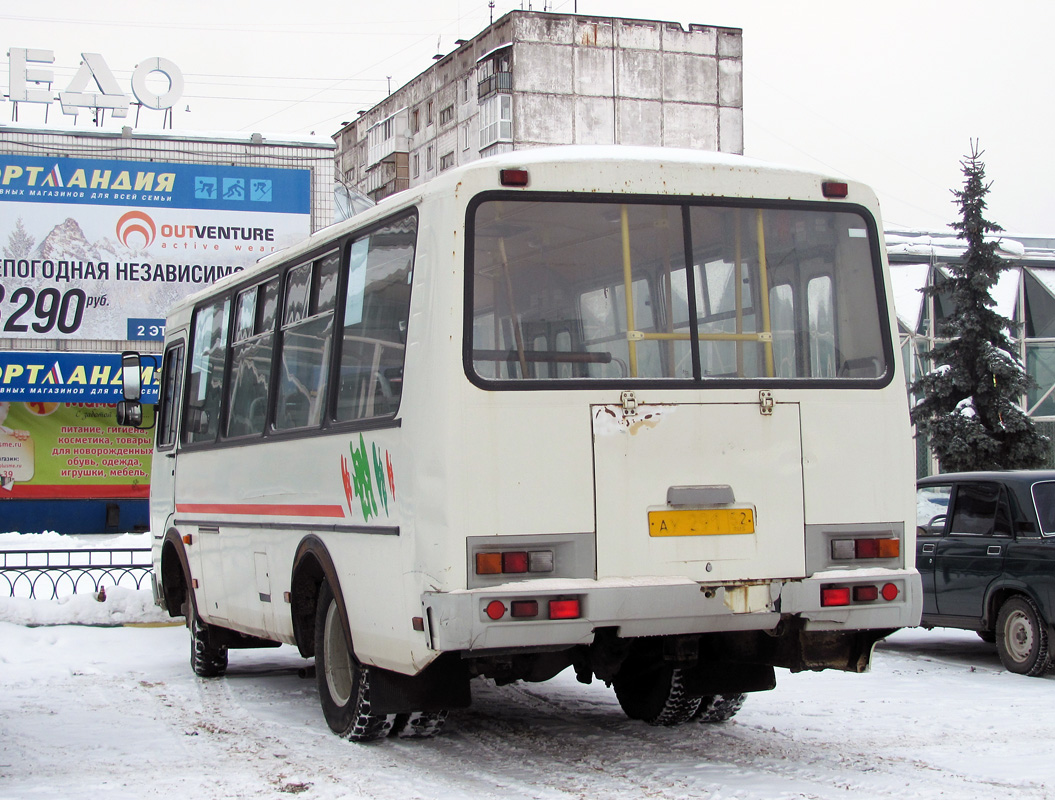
(114, 605)
(50, 540)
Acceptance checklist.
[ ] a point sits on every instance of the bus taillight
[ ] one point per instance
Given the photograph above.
(849, 549)
(523, 608)
(564, 609)
(514, 562)
(835, 596)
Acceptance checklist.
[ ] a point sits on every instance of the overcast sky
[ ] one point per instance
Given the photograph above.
(888, 93)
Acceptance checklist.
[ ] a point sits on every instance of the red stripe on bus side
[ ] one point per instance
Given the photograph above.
(265, 510)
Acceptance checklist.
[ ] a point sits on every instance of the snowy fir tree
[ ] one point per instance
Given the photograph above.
(19, 243)
(969, 411)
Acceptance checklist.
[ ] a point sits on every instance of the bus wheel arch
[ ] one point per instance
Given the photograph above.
(175, 574)
(311, 566)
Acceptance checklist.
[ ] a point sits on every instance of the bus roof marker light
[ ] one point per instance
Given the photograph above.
(513, 177)
(835, 189)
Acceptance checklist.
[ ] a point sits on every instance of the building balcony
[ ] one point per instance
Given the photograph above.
(498, 82)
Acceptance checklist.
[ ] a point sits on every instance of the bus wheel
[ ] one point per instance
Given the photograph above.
(419, 725)
(206, 660)
(719, 707)
(655, 695)
(344, 683)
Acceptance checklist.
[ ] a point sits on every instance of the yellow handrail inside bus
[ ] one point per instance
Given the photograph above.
(631, 343)
(738, 291)
(763, 291)
(764, 336)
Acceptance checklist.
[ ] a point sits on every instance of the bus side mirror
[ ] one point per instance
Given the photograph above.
(130, 414)
(131, 376)
(129, 411)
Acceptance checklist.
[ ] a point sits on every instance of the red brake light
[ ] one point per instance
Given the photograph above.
(564, 609)
(866, 548)
(515, 562)
(513, 177)
(835, 596)
(890, 591)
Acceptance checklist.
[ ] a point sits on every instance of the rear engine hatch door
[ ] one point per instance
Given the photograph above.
(741, 518)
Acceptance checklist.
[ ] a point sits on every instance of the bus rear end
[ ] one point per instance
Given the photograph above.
(684, 439)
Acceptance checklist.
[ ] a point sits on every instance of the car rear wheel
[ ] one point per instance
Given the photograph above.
(1021, 637)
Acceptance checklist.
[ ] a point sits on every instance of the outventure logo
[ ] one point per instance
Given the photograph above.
(136, 224)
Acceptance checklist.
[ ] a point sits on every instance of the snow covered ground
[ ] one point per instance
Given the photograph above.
(114, 712)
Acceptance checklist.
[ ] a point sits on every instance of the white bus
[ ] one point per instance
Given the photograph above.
(635, 412)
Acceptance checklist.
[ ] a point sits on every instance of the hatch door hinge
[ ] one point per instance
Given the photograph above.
(765, 403)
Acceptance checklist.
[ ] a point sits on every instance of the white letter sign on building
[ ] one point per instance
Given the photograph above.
(79, 94)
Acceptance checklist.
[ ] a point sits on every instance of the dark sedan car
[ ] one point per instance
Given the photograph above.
(985, 548)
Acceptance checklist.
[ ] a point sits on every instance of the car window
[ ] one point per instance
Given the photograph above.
(1044, 500)
(980, 509)
(932, 506)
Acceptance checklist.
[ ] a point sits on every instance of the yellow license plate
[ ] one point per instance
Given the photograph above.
(701, 522)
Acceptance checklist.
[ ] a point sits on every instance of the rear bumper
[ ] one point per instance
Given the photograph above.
(458, 621)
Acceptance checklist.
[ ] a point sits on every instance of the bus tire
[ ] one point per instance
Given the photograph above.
(719, 707)
(206, 660)
(419, 724)
(344, 683)
(1022, 637)
(655, 695)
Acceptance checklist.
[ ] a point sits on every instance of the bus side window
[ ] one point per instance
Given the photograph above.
(205, 382)
(254, 340)
(171, 381)
(307, 336)
(376, 313)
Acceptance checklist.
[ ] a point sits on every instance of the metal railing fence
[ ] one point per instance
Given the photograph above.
(50, 574)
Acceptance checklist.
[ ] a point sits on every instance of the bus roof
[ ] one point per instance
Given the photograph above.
(637, 173)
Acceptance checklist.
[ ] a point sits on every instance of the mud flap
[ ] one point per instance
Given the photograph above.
(728, 678)
(442, 685)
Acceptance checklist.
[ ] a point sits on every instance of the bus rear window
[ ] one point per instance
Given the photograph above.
(613, 291)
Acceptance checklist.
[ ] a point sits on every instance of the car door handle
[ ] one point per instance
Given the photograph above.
(928, 548)
(993, 550)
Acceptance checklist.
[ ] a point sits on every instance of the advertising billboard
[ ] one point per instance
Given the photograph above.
(34, 375)
(53, 450)
(100, 249)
